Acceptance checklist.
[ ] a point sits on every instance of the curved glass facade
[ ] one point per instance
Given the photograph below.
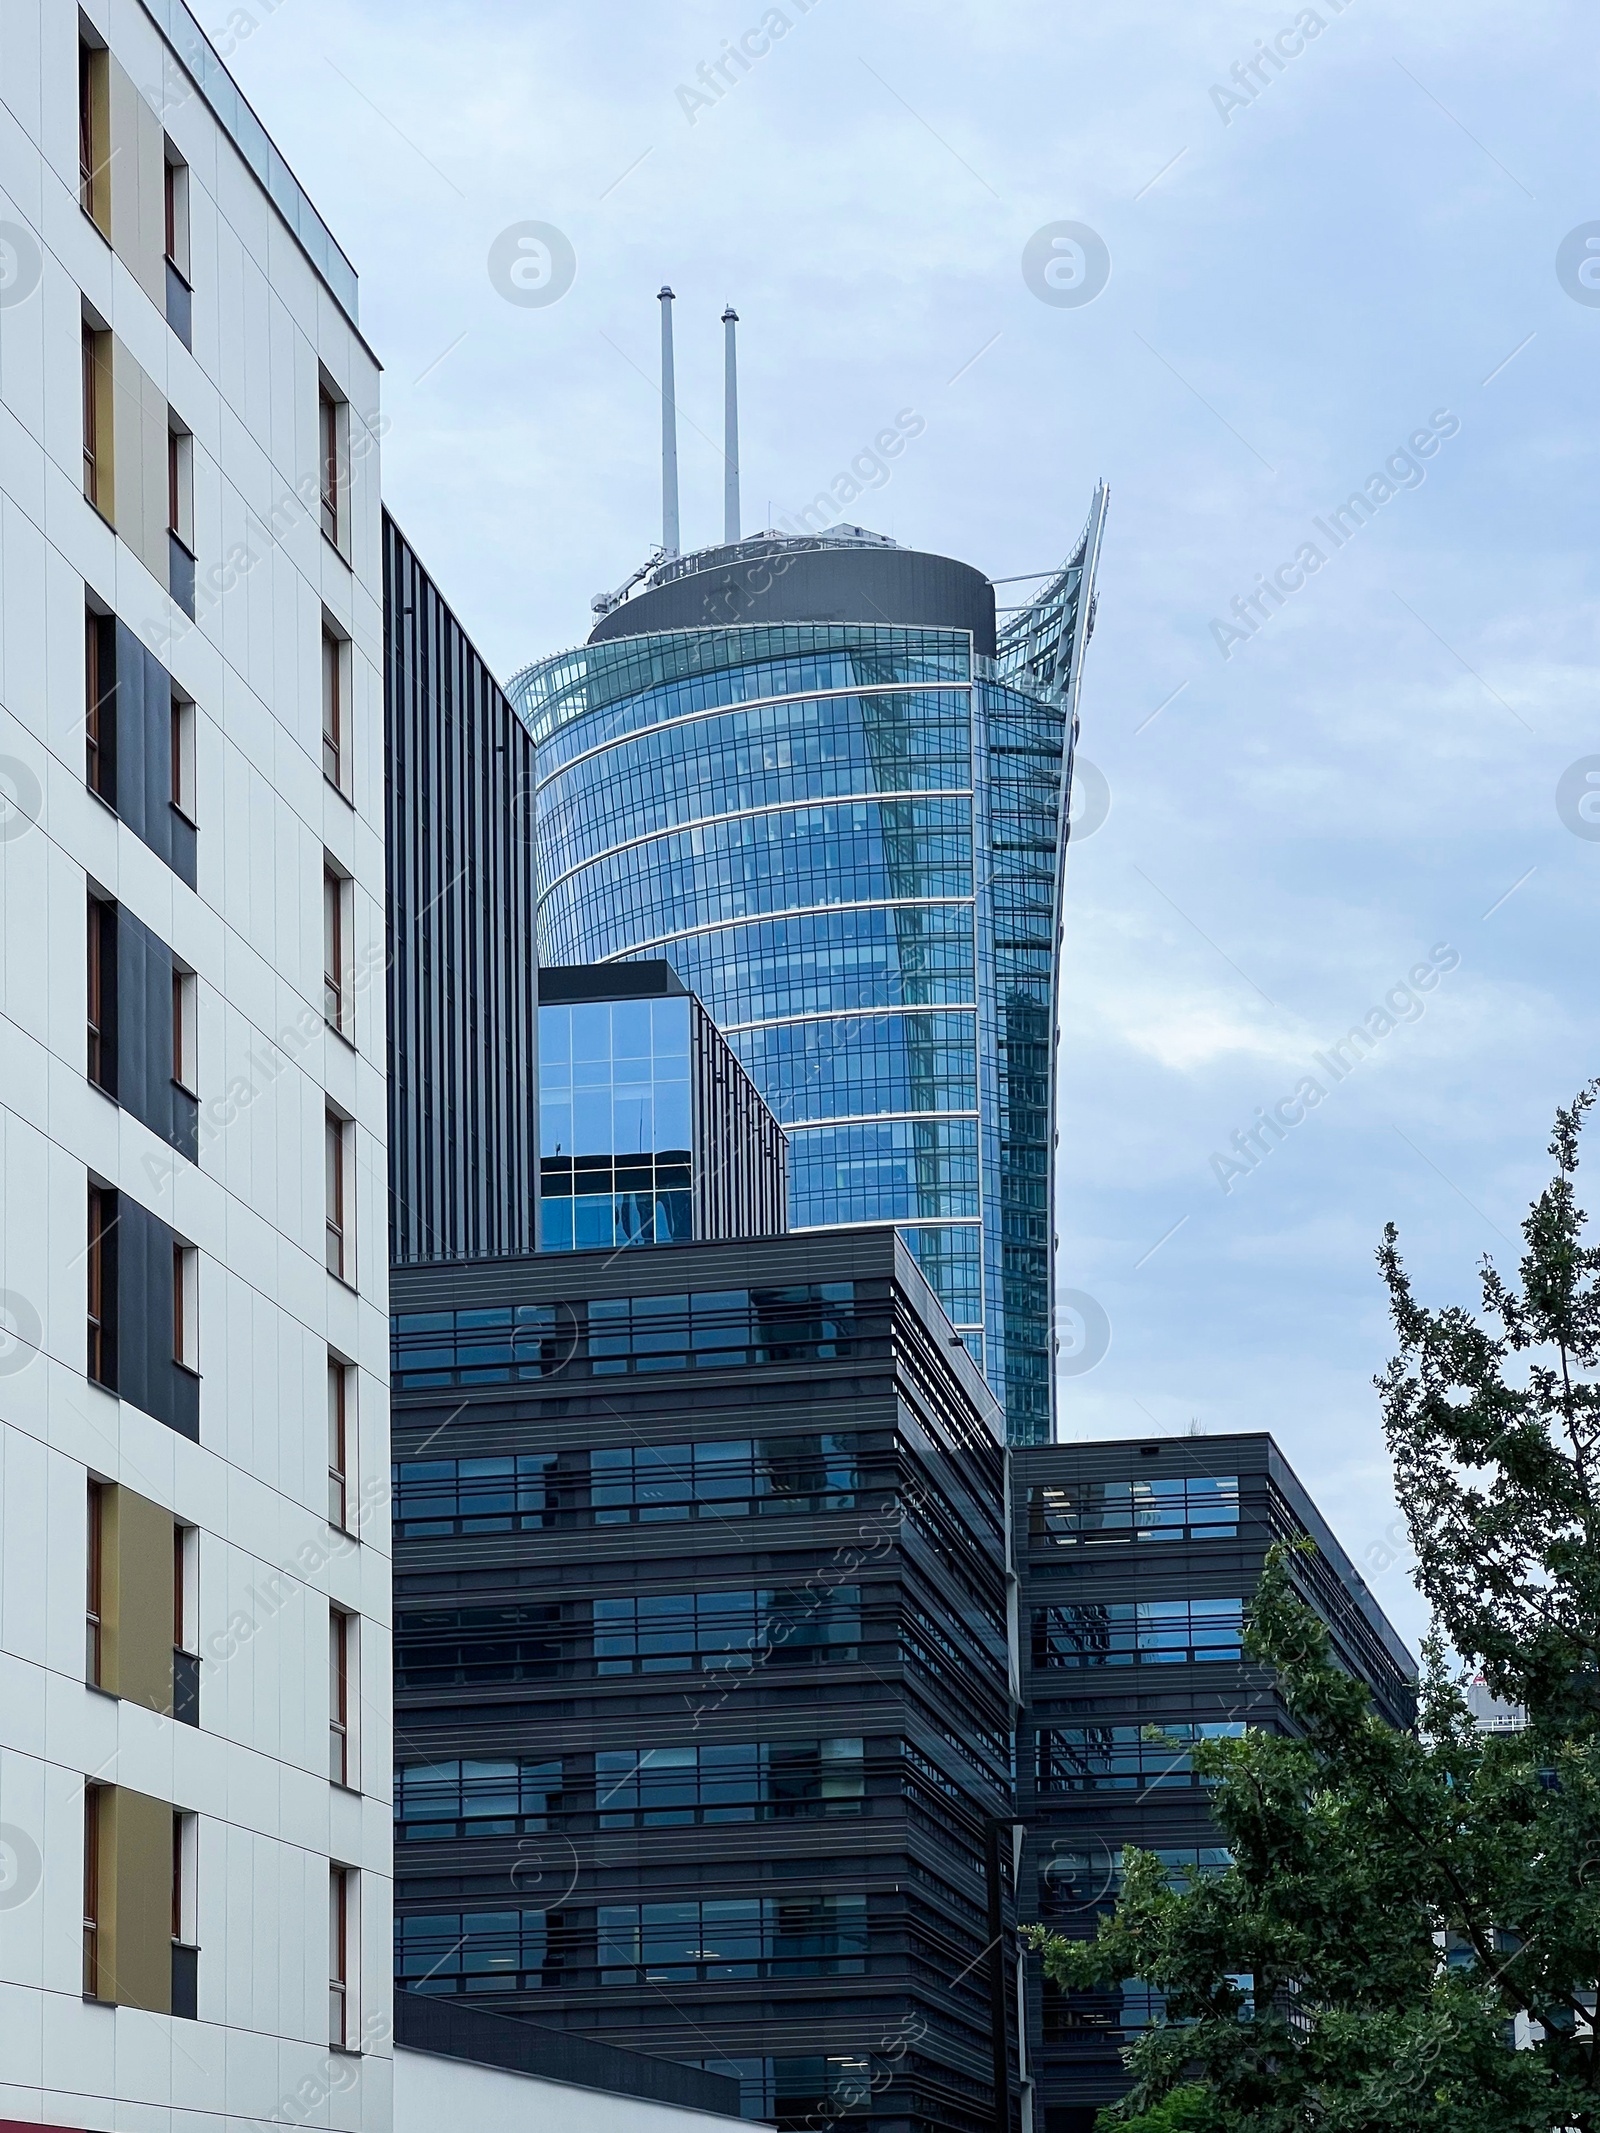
(847, 840)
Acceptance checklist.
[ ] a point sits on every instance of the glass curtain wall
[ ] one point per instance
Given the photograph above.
(847, 841)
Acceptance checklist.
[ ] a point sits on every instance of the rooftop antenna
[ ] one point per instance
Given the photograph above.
(730, 443)
(669, 431)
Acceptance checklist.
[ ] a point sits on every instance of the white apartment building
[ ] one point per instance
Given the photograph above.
(195, 1733)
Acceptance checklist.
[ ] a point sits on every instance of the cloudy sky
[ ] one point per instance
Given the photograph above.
(1352, 248)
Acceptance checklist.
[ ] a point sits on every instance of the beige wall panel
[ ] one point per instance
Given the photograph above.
(138, 202)
(136, 1900)
(140, 424)
(136, 1631)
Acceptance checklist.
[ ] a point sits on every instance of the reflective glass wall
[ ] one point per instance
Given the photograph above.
(846, 842)
(616, 1135)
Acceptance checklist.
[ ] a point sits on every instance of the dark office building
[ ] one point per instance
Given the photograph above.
(1136, 1562)
(701, 1664)
(463, 1036)
(651, 1131)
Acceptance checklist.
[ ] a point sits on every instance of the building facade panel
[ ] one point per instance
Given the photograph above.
(171, 538)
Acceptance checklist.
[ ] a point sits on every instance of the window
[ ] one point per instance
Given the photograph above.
(180, 304)
(182, 795)
(1191, 1507)
(525, 1492)
(94, 161)
(185, 1955)
(185, 1281)
(758, 1936)
(99, 705)
(102, 1309)
(341, 1258)
(94, 1597)
(477, 1799)
(183, 1004)
(185, 1625)
(180, 515)
(645, 1788)
(484, 1951)
(101, 957)
(1138, 1633)
(93, 1796)
(710, 1330)
(1125, 1758)
(330, 421)
(333, 709)
(335, 897)
(341, 1906)
(341, 1667)
(96, 446)
(180, 483)
(338, 1443)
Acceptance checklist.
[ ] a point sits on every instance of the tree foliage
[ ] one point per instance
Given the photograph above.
(1404, 1907)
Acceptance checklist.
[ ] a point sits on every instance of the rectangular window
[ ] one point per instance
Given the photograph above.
(1181, 1508)
(102, 1304)
(185, 1955)
(338, 1443)
(177, 1877)
(101, 993)
(328, 427)
(93, 1796)
(92, 440)
(185, 1624)
(333, 710)
(180, 515)
(1138, 1633)
(341, 1667)
(183, 1012)
(340, 1258)
(99, 705)
(175, 188)
(185, 1282)
(335, 891)
(341, 1894)
(94, 1596)
(183, 756)
(94, 159)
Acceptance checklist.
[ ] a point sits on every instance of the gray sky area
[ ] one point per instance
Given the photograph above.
(1340, 273)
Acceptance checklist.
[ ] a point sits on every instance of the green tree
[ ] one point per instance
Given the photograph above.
(1403, 1906)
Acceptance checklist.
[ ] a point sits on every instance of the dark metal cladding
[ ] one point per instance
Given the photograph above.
(701, 1680)
(463, 1012)
(1136, 1564)
(785, 580)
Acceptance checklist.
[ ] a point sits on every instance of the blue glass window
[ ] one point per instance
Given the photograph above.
(616, 1132)
(1123, 1758)
(652, 1788)
(742, 1937)
(474, 1799)
(1189, 1507)
(1138, 1633)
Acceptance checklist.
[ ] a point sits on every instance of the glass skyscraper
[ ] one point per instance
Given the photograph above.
(813, 776)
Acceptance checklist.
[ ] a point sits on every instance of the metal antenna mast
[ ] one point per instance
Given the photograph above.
(669, 432)
(730, 444)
